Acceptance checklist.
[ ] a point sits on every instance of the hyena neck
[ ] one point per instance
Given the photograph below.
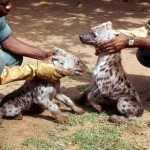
(107, 60)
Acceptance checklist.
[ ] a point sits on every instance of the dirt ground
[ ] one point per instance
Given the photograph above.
(50, 23)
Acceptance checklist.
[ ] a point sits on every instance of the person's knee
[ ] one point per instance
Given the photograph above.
(19, 60)
(9, 60)
(143, 57)
(12, 59)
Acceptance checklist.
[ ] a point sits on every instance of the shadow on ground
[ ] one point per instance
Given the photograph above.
(59, 22)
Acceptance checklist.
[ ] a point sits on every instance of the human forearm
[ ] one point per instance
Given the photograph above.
(142, 42)
(18, 47)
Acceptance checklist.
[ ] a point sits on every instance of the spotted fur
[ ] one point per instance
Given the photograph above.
(39, 93)
(110, 84)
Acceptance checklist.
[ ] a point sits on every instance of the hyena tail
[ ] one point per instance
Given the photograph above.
(140, 112)
(83, 98)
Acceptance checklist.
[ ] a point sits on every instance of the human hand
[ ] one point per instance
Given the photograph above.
(51, 53)
(116, 44)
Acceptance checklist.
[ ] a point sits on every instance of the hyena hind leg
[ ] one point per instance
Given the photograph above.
(120, 119)
(11, 111)
(129, 109)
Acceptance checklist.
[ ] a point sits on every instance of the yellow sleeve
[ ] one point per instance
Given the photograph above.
(143, 31)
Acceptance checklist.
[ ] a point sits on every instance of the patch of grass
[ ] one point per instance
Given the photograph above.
(37, 143)
(104, 138)
(61, 127)
(80, 119)
(50, 132)
(7, 147)
(90, 131)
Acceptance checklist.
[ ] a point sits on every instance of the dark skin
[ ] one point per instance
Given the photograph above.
(16, 46)
(120, 42)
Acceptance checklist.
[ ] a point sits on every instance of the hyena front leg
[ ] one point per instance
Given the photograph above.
(66, 100)
(82, 100)
(54, 109)
(93, 99)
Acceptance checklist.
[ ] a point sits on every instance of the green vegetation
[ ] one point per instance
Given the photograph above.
(90, 131)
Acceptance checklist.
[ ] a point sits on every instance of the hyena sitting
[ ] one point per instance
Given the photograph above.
(110, 84)
(39, 93)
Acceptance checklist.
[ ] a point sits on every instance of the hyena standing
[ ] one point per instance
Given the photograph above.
(39, 93)
(110, 84)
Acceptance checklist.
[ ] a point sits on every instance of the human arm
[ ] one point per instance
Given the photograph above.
(20, 48)
(44, 71)
(115, 44)
(11, 44)
(140, 35)
(142, 42)
(121, 41)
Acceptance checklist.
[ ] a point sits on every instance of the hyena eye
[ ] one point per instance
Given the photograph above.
(77, 62)
(61, 63)
(94, 35)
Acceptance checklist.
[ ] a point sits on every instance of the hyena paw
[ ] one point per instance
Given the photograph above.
(62, 119)
(79, 111)
(19, 116)
(117, 119)
(97, 108)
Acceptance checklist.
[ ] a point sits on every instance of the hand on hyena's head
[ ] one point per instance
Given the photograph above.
(67, 60)
(98, 34)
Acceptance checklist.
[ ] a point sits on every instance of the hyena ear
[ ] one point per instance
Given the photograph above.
(109, 25)
(60, 51)
(49, 59)
(57, 49)
(116, 33)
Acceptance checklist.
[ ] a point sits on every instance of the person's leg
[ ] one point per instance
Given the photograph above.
(9, 59)
(143, 57)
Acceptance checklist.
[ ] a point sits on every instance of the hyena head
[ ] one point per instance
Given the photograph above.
(69, 61)
(98, 34)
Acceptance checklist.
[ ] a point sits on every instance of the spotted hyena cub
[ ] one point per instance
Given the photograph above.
(110, 84)
(39, 93)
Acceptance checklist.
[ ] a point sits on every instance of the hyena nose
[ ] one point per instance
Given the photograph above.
(81, 36)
